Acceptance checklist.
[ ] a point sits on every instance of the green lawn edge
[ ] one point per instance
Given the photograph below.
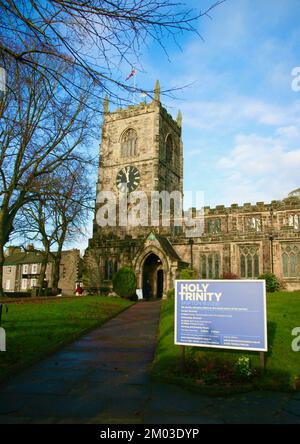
(166, 366)
(13, 370)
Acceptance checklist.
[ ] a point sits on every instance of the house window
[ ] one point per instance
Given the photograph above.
(291, 260)
(294, 221)
(210, 266)
(129, 143)
(34, 269)
(7, 285)
(249, 262)
(24, 284)
(253, 223)
(25, 269)
(214, 226)
(33, 283)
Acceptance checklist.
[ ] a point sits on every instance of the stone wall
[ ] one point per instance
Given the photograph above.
(70, 268)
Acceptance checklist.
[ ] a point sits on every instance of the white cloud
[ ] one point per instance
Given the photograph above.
(260, 168)
(237, 110)
(289, 132)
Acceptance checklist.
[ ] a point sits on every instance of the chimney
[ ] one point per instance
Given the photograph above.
(12, 250)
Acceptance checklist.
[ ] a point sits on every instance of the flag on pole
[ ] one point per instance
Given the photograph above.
(132, 74)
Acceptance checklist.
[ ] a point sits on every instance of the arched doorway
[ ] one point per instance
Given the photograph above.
(153, 277)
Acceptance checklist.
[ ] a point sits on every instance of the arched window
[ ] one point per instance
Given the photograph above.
(291, 260)
(129, 143)
(249, 261)
(169, 149)
(110, 269)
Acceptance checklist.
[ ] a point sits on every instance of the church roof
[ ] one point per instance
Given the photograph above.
(24, 258)
(168, 248)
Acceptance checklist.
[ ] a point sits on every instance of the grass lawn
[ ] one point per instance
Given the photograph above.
(214, 370)
(34, 330)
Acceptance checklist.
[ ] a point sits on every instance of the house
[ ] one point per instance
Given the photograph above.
(22, 269)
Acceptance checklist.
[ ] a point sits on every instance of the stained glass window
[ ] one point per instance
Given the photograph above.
(204, 268)
(249, 266)
(217, 266)
(249, 261)
(292, 265)
(243, 266)
(210, 266)
(285, 260)
(256, 265)
(291, 260)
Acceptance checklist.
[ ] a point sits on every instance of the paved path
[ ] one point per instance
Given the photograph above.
(104, 378)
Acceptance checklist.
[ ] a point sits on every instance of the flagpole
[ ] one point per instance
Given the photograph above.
(133, 74)
(134, 86)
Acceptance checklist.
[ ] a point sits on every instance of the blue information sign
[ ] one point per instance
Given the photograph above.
(221, 314)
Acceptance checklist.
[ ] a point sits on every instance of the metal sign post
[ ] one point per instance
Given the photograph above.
(262, 360)
(182, 357)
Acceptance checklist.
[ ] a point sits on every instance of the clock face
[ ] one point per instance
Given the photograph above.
(128, 179)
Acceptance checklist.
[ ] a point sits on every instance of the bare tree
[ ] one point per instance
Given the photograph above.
(95, 36)
(59, 214)
(41, 128)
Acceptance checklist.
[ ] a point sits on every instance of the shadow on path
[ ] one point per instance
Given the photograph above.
(104, 378)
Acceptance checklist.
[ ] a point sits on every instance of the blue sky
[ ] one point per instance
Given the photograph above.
(241, 117)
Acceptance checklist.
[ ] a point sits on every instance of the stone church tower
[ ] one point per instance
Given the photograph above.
(142, 149)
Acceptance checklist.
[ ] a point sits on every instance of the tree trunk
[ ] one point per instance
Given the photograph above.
(7, 217)
(2, 258)
(4, 234)
(56, 272)
(42, 274)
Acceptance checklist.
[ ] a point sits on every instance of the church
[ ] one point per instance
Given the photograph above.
(142, 147)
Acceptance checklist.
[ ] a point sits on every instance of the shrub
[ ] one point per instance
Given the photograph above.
(16, 294)
(187, 274)
(230, 276)
(171, 294)
(124, 283)
(272, 282)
